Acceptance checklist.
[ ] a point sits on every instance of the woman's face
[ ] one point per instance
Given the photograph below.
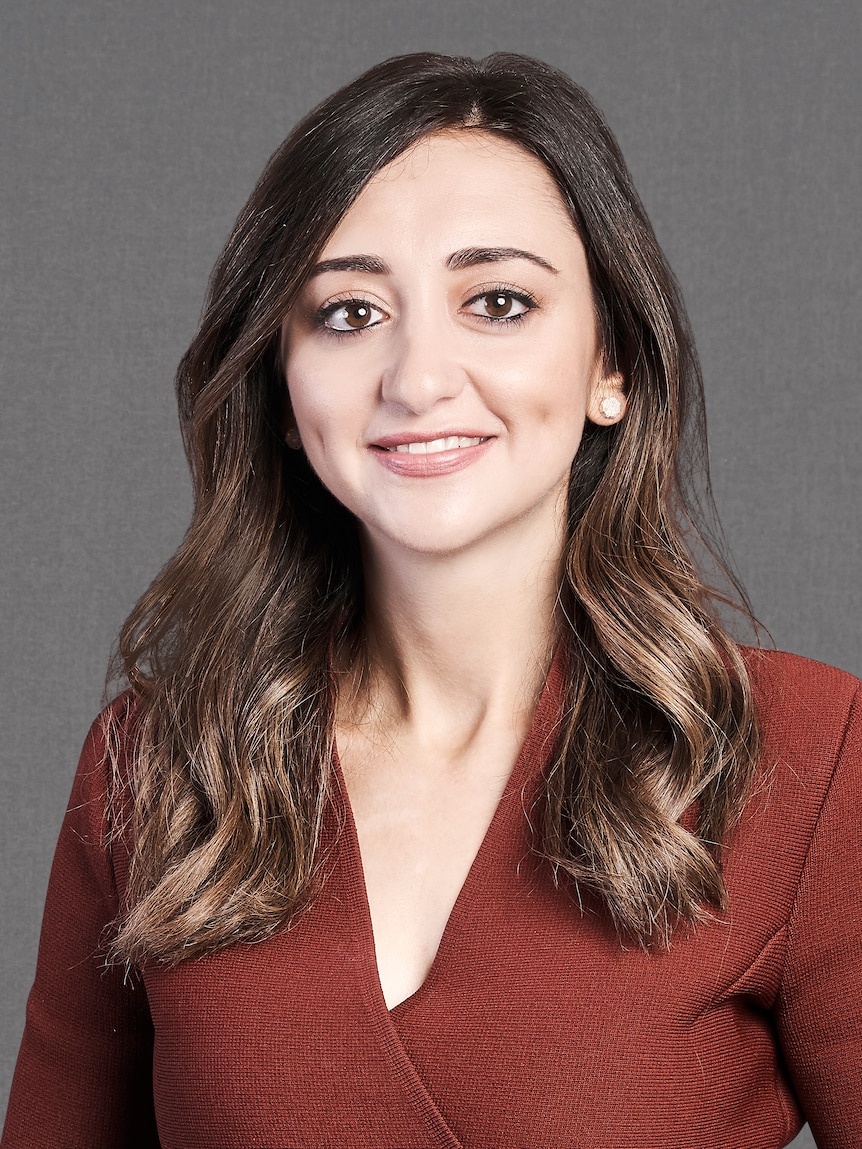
(443, 355)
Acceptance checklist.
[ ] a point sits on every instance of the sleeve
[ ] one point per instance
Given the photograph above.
(84, 1071)
(819, 1014)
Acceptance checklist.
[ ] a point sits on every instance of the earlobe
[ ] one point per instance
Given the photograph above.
(607, 403)
(291, 437)
(289, 427)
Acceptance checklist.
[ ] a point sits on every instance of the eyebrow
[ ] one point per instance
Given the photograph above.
(369, 263)
(466, 257)
(472, 256)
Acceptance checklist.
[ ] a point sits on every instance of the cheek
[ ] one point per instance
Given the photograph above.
(558, 397)
(326, 423)
(330, 389)
(312, 399)
(299, 373)
(309, 384)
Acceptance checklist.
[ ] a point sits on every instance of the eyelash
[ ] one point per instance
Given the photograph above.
(529, 302)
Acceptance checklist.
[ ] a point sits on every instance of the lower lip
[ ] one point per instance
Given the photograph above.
(429, 466)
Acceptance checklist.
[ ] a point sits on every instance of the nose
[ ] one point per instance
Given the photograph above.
(424, 366)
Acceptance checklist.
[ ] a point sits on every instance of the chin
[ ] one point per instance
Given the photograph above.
(434, 543)
(434, 536)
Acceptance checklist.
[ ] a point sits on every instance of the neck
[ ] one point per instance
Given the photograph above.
(458, 641)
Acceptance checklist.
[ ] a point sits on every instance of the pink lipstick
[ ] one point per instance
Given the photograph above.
(428, 454)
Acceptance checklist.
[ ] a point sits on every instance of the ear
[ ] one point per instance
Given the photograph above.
(607, 402)
(289, 429)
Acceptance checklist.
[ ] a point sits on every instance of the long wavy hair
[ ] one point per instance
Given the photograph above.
(229, 652)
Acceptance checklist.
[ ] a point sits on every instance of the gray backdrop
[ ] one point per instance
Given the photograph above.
(132, 135)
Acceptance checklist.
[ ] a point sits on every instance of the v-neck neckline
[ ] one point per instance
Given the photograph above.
(531, 757)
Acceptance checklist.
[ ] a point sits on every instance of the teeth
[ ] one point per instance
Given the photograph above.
(429, 447)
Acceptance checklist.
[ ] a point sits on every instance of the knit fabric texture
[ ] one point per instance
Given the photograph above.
(535, 1028)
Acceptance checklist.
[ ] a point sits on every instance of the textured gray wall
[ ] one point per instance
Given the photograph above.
(131, 135)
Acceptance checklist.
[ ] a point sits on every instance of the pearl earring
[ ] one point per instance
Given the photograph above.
(611, 407)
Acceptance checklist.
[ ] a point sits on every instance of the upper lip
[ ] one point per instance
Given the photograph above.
(402, 437)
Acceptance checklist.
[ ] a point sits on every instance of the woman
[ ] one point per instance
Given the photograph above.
(442, 810)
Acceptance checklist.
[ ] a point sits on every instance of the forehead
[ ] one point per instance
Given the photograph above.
(459, 181)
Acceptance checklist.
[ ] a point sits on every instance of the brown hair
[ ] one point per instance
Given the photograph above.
(229, 650)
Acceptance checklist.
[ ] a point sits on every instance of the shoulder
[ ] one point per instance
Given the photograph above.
(112, 731)
(808, 779)
(811, 723)
(778, 669)
(104, 764)
(801, 702)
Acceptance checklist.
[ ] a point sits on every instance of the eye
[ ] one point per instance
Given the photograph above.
(501, 305)
(346, 315)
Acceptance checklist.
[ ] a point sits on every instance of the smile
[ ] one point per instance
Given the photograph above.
(430, 458)
(430, 446)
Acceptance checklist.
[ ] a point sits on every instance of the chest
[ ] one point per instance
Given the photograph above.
(420, 827)
(533, 1027)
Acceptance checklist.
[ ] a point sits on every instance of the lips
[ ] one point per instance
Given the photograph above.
(421, 457)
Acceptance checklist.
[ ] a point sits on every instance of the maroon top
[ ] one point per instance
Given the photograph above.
(535, 1027)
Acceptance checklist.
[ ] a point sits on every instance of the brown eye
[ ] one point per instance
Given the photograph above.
(501, 305)
(498, 304)
(357, 314)
(350, 315)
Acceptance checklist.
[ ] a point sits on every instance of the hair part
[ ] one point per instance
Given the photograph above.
(227, 776)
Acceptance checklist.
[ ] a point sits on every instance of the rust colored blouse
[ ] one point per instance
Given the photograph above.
(535, 1029)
